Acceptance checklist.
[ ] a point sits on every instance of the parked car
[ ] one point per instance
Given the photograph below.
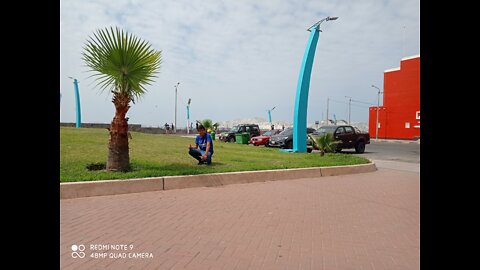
(349, 137)
(229, 136)
(285, 139)
(264, 138)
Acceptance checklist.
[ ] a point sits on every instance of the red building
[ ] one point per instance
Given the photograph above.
(399, 117)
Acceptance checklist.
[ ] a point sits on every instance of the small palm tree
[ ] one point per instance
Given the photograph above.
(324, 143)
(208, 124)
(123, 64)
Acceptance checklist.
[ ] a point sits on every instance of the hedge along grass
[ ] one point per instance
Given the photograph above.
(154, 155)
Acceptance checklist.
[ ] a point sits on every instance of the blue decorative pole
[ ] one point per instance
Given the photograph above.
(77, 102)
(188, 116)
(270, 115)
(303, 85)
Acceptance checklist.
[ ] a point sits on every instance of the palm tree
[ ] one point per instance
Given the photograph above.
(208, 124)
(324, 143)
(123, 64)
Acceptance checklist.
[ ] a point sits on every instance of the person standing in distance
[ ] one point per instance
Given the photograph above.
(203, 149)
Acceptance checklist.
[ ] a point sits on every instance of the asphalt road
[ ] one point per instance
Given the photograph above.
(390, 151)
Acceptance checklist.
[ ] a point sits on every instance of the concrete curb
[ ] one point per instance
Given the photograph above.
(73, 190)
(109, 187)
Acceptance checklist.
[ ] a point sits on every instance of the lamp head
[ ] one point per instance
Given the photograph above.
(377, 88)
(317, 24)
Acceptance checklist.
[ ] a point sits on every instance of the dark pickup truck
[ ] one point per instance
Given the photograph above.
(349, 137)
(230, 136)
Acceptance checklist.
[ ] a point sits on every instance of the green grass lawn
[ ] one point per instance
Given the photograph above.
(161, 155)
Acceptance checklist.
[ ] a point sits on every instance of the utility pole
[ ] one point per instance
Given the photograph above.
(328, 100)
(349, 108)
(175, 127)
(378, 106)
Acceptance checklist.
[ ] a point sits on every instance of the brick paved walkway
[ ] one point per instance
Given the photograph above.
(362, 221)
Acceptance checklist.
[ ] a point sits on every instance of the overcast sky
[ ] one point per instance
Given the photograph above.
(236, 59)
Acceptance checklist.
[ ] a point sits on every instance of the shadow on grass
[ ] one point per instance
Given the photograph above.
(96, 166)
(138, 169)
(173, 168)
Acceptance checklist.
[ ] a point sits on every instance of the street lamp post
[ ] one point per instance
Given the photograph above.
(303, 87)
(175, 127)
(270, 116)
(378, 107)
(77, 102)
(349, 108)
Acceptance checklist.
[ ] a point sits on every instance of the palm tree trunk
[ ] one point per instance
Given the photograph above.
(118, 155)
(322, 153)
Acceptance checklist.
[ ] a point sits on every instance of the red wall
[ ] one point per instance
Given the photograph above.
(401, 102)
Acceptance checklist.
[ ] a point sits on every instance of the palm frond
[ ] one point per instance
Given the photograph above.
(325, 142)
(207, 123)
(121, 61)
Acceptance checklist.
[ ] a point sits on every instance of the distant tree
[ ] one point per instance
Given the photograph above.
(208, 124)
(123, 64)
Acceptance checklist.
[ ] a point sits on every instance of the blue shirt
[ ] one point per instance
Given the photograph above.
(202, 142)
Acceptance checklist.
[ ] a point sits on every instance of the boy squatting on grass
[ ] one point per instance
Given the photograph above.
(204, 141)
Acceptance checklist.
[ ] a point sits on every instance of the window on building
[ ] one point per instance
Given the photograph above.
(407, 124)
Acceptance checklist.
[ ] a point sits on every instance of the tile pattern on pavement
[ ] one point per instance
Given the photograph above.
(361, 221)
